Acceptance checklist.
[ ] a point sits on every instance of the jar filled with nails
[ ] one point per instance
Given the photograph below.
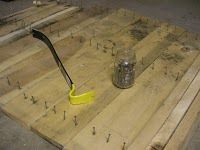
(124, 68)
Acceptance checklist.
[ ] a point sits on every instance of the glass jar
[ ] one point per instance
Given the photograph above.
(124, 68)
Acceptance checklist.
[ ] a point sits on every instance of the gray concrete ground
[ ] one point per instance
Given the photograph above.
(15, 137)
(192, 142)
(185, 13)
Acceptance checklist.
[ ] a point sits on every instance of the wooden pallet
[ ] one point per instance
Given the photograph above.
(167, 83)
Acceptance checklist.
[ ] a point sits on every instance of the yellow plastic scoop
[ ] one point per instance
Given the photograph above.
(80, 99)
(74, 99)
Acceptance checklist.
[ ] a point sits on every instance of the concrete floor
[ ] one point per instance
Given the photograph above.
(15, 137)
(185, 13)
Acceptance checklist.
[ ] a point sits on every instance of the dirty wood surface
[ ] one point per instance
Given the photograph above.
(168, 63)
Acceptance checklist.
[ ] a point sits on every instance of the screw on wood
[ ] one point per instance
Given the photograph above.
(64, 115)
(124, 146)
(33, 100)
(75, 121)
(8, 80)
(54, 109)
(18, 84)
(177, 77)
(108, 138)
(93, 131)
(25, 96)
(45, 104)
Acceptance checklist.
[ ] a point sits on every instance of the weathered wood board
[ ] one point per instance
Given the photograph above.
(28, 17)
(168, 63)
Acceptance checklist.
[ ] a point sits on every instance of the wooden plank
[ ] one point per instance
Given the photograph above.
(31, 16)
(164, 134)
(178, 140)
(106, 92)
(22, 32)
(156, 121)
(24, 51)
(125, 117)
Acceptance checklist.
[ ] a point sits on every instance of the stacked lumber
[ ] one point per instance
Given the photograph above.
(150, 115)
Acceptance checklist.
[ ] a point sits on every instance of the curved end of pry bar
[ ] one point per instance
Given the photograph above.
(80, 99)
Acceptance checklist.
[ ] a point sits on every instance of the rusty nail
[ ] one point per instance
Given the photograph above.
(18, 84)
(8, 81)
(45, 103)
(93, 131)
(166, 70)
(75, 121)
(25, 97)
(124, 145)
(142, 60)
(64, 114)
(54, 109)
(152, 66)
(113, 51)
(72, 35)
(90, 42)
(177, 76)
(33, 100)
(108, 138)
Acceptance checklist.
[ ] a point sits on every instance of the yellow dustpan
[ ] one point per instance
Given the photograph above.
(75, 100)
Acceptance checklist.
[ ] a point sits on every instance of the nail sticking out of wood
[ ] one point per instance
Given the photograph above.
(18, 84)
(25, 96)
(124, 146)
(177, 77)
(34, 101)
(108, 138)
(8, 80)
(75, 121)
(45, 104)
(152, 66)
(113, 51)
(93, 131)
(64, 115)
(54, 109)
(90, 42)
